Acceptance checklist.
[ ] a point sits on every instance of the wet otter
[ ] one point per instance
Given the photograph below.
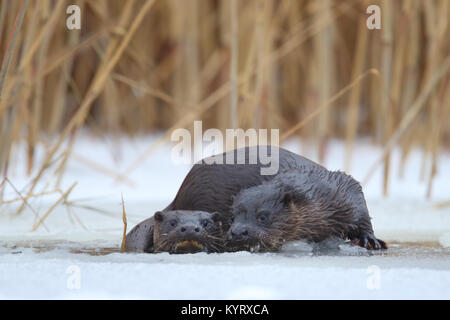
(188, 232)
(210, 187)
(306, 203)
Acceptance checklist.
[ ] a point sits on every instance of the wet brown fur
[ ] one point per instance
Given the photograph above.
(208, 240)
(304, 204)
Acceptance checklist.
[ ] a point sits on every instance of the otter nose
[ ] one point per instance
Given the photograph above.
(239, 233)
(189, 230)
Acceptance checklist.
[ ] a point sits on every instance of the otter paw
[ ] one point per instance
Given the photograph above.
(369, 242)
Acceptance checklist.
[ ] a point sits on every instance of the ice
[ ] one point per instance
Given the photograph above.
(297, 247)
(88, 236)
(404, 272)
(444, 240)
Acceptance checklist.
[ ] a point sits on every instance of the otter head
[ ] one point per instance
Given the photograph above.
(185, 231)
(261, 218)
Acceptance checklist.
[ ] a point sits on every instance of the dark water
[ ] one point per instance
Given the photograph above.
(101, 248)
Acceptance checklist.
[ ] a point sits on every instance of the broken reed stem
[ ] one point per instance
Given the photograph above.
(47, 213)
(24, 199)
(124, 219)
(442, 205)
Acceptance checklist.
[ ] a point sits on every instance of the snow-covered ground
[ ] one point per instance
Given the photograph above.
(48, 263)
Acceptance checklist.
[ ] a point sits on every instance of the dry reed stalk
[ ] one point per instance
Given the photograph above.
(260, 48)
(124, 219)
(277, 119)
(386, 106)
(411, 72)
(324, 46)
(290, 45)
(25, 201)
(438, 26)
(11, 44)
(7, 126)
(73, 214)
(314, 28)
(321, 108)
(436, 135)
(50, 24)
(234, 65)
(188, 118)
(47, 213)
(102, 169)
(150, 91)
(37, 108)
(284, 71)
(94, 91)
(355, 94)
(430, 66)
(246, 115)
(23, 198)
(192, 53)
(63, 85)
(54, 62)
(3, 10)
(108, 97)
(442, 204)
(410, 116)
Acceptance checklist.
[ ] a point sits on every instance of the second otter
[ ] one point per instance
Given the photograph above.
(302, 204)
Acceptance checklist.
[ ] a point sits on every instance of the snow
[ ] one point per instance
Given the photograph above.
(38, 264)
(224, 276)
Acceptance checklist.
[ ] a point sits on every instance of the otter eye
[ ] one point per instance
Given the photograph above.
(173, 223)
(262, 217)
(205, 223)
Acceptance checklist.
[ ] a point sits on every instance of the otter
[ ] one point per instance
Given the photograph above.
(188, 232)
(210, 187)
(308, 203)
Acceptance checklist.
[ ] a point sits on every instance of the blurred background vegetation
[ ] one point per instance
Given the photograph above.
(308, 67)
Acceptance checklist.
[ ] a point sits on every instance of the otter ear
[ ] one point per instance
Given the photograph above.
(215, 216)
(292, 196)
(159, 216)
(287, 198)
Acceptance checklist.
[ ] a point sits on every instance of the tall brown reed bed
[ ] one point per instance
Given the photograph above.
(310, 68)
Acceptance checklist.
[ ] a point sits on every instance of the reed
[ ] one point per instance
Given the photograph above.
(124, 220)
(310, 68)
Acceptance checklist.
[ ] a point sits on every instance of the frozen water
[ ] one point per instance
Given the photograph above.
(46, 270)
(84, 239)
